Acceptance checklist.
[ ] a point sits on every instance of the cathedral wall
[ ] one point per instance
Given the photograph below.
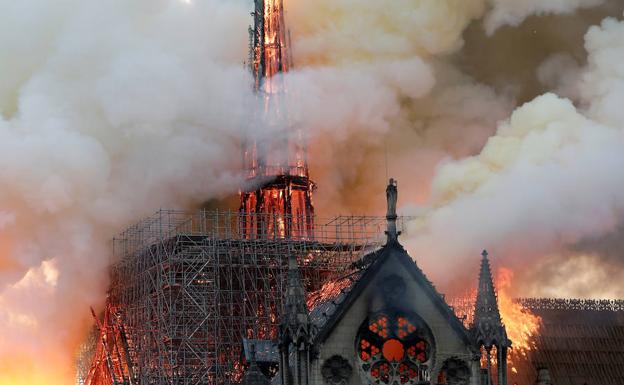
(382, 292)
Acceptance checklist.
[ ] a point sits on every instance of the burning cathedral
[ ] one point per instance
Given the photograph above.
(271, 294)
(386, 325)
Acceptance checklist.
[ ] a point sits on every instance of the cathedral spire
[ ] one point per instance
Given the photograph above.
(487, 319)
(276, 197)
(392, 194)
(487, 327)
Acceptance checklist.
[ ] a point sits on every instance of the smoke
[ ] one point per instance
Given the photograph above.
(548, 179)
(376, 92)
(513, 12)
(111, 110)
(512, 186)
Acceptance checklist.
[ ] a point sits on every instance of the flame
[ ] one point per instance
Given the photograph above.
(329, 290)
(520, 323)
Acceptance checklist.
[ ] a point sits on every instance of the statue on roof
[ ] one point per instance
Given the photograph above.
(392, 195)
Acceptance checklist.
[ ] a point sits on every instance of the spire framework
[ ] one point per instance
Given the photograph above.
(275, 156)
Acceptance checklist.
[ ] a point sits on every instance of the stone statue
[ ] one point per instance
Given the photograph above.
(392, 196)
(391, 215)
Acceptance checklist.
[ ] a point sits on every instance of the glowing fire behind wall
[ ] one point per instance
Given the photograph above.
(521, 324)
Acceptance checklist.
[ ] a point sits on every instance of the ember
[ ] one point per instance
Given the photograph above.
(328, 291)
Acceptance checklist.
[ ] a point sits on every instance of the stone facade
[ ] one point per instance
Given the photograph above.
(388, 325)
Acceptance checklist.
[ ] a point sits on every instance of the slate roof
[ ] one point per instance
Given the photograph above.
(580, 341)
(324, 303)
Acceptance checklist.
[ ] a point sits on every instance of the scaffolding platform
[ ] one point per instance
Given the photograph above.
(192, 286)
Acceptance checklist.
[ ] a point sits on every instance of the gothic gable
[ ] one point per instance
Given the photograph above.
(390, 305)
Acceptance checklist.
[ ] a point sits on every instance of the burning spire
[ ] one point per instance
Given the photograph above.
(278, 186)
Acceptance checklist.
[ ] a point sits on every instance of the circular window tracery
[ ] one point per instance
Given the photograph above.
(394, 349)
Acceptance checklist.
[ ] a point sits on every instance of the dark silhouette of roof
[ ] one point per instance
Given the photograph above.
(580, 341)
(487, 327)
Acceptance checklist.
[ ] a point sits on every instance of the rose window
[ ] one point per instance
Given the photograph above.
(394, 350)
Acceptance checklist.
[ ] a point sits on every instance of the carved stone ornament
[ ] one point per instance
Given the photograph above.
(456, 372)
(393, 287)
(336, 370)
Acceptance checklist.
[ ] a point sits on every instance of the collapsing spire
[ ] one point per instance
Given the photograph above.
(270, 47)
(276, 198)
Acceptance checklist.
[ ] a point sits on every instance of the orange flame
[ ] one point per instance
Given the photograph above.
(521, 324)
(329, 290)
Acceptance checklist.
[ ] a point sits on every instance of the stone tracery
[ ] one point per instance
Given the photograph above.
(394, 348)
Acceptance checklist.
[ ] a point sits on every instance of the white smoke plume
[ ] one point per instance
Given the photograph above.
(547, 180)
(373, 76)
(108, 108)
(514, 12)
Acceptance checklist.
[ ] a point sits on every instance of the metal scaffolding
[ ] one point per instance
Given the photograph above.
(190, 286)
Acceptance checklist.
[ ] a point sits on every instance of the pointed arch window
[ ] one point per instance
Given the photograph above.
(395, 348)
